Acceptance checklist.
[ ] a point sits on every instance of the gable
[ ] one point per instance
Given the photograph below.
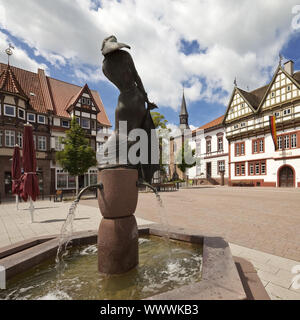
(238, 107)
(281, 90)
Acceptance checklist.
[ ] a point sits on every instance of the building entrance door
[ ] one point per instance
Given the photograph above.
(286, 177)
(208, 170)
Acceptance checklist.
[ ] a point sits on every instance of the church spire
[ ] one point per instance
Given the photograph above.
(184, 116)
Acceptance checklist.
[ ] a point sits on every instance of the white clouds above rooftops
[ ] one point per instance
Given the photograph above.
(234, 39)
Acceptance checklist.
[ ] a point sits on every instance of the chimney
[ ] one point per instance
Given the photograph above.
(289, 67)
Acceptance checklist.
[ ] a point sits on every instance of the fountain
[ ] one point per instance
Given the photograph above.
(118, 236)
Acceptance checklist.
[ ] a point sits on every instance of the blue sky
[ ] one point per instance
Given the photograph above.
(201, 45)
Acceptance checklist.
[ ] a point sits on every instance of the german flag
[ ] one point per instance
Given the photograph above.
(273, 130)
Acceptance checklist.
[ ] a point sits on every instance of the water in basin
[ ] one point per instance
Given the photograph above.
(163, 266)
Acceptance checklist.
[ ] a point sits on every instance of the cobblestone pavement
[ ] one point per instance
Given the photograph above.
(265, 219)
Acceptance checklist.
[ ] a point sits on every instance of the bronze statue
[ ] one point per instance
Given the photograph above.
(119, 68)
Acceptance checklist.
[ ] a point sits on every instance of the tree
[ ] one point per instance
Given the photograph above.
(160, 124)
(77, 156)
(186, 157)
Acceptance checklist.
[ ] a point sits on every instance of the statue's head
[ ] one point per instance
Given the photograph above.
(111, 44)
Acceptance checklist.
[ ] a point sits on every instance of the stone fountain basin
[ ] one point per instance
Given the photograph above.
(219, 281)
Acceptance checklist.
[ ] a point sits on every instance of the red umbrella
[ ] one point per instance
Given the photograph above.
(29, 181)
(16, 173)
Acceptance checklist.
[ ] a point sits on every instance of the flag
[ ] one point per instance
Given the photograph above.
(273, 131)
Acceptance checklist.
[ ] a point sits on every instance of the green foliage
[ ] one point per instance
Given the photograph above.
(159, 120)
(160, 124)
(77, 156)
(185, 158)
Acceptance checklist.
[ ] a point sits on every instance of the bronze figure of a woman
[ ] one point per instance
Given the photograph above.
(119, 68)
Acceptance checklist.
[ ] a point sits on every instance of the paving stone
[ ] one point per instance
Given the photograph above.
(278, 292)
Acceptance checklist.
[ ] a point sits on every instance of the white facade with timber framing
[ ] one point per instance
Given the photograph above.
(252, 156)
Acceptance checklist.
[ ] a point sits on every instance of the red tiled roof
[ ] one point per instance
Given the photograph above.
(211, 124)
(51, 94)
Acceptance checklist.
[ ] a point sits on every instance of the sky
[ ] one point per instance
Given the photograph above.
(198, 45)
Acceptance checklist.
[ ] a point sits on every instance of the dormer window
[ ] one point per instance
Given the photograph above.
(31, 117)
(289, 88)
(41, 119)
(9, 111)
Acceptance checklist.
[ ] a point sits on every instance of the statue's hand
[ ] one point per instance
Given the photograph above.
(152, 106)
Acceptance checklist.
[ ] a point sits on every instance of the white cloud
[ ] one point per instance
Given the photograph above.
(20, 57)
(237, 39)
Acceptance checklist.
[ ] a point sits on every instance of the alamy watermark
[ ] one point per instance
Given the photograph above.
(296, 278)
(159, 147)
(2, 278)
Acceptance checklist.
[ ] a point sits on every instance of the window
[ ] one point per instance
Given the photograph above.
(251, 169)
(277, 114)
(220, 144)
(261, 145)
(240, 169)
(9, 111)
(78, 120)
(279, 142)
(237, 149)
(236, 126)
(21, 113)
(20, 139)
(71, 182)
(58, 144)
(93, 125)
(42, 143)
(61, 180)
(243, 169)
(258, 167)
(289, 88)
(258, 145)
(86, 101)
(31, 117)
(255, 143)
(286, 140)
(41, 119)
(294, 140)
(242, 105)
(286, 112)
(65, 123)
(240, 149)
(243, 124)
(221, 166)
(273, 94)
(208, 146)
(85, 123)
(9, 138)
(263, 167)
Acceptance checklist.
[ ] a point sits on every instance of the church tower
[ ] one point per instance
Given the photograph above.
(184, 116)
